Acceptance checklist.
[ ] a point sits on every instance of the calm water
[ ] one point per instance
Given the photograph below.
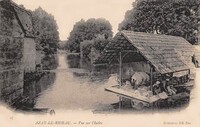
(71, 92)
(34, 89)
(70, 88)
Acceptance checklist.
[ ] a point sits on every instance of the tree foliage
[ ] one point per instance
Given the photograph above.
(99, 43)
(170, 17)
(88, 30)
(46, 29)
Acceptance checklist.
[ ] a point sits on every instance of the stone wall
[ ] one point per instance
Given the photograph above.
(11, 55)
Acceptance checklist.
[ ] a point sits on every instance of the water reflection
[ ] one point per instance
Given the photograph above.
(82, 67)
(71, 92)
(97, 84)
(63, 89)
(33, 89)
(73, 60)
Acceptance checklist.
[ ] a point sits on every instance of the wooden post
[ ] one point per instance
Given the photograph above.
(120, 68)
(151, 74)
(91, 61)
(120, 76)
(195, 62)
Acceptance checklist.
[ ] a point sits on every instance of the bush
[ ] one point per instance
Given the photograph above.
(50, 62)
(73, 60)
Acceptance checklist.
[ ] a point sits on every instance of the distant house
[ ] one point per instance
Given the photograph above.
(145, 52)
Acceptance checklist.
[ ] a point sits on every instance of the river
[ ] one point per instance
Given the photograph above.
(68, 88)
(71, 92)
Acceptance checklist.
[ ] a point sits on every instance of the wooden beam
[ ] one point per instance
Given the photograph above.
(112, 60)
(101, 64)
(125, 55)
(124, 51)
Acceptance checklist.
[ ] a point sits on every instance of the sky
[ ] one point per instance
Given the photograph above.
(68, 12)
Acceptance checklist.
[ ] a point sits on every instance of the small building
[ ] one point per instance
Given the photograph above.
(139, 51)
(164, 58)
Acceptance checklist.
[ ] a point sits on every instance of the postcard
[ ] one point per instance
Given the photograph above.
(99, 63)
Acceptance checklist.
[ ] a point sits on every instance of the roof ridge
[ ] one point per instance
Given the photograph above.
(18, 6)
(157, 35)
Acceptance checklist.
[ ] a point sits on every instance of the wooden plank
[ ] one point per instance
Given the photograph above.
(114, 51)
(179, 96)
(123, 92)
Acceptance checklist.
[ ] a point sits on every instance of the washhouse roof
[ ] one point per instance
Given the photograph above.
(161, 51)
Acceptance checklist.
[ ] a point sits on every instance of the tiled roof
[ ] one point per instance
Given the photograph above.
(162, 51)
(25, 19)
(23, 16)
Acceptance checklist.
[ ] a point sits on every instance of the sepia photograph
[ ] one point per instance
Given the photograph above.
(99, 63)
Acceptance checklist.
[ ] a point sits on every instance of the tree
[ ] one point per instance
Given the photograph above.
(99, 43)
(170, 17)
(46, 29)
(88, 30)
